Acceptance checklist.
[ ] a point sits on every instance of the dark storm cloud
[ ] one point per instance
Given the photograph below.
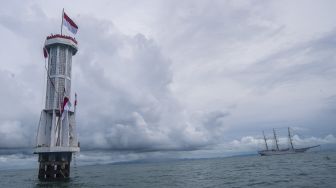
(309, 59)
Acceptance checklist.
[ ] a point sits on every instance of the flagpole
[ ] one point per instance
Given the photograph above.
(62, 21)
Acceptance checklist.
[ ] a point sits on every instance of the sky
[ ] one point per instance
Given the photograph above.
(203, 78)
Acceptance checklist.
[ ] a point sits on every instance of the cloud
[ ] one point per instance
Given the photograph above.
(125, 96)
(18, 116)
(253, 57)
(175, 75)
(123, 84)
(13, 134)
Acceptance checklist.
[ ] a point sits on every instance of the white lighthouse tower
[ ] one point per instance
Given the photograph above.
(57, 136)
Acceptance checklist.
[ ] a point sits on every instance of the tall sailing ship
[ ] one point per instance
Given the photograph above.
(278, 151)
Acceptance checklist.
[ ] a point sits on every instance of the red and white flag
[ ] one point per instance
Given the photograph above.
(68, 23)
(65, 106)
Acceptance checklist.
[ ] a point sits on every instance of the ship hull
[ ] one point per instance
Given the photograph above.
(279, 152)
(284, 151)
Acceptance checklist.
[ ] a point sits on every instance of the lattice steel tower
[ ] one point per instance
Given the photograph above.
(57, 136)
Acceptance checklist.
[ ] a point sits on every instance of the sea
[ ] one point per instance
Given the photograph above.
(315, 169)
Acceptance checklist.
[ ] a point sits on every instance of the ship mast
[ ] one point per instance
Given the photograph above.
(265, 141)
(290, 138)
(276, 140)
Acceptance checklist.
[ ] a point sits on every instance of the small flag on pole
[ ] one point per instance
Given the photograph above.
(68, 23)
(65, 106)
